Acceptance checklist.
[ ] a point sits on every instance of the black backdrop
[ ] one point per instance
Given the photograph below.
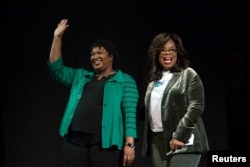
(216, 35)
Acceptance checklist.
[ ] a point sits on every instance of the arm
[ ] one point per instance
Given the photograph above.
(195, 106)
(63, 75)
(130, 106)
(56, 47)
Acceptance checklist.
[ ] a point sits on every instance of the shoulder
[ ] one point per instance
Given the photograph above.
(123, 76)
(81, 72)
(191, 74)
(85, 71)
(190, 71)
(128, 76)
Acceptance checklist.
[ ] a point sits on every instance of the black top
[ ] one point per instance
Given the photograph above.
(88, 114)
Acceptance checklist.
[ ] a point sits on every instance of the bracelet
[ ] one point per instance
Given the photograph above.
(130, 145)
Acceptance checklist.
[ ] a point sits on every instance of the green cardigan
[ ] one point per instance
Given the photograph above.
(119, 102)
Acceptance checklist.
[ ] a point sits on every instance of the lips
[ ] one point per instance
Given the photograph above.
(96, 62)
(167, 60)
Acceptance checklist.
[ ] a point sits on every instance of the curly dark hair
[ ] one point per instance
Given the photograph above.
(154, 69)
(110, 47)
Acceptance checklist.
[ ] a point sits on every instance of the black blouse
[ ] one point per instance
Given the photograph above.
(88, 113)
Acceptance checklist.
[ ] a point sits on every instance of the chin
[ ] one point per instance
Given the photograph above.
(96, 68)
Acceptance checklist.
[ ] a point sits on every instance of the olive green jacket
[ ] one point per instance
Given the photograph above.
(119, 102)
(181, 109)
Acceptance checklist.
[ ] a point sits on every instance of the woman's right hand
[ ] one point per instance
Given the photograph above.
(61, 27)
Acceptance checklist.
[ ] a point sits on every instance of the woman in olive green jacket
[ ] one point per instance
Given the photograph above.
(174, 134)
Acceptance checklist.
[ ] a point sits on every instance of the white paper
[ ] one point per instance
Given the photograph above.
(190, 140)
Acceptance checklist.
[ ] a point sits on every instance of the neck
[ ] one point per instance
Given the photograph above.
(105, 73)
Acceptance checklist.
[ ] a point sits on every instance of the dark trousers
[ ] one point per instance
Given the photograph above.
(159, 159)
(84, 150)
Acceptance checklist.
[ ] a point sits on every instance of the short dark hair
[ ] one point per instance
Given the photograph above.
(109, 45)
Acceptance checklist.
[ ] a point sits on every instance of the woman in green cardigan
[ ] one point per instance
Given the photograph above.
(99, 123)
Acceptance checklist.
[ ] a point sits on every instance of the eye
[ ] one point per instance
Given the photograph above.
(172, 50)
(168, 51)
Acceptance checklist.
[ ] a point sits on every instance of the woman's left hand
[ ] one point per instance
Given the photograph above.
(176, 144)
(128, 155)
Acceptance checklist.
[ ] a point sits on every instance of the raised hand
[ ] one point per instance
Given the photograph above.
(61, 27)
(56, 47)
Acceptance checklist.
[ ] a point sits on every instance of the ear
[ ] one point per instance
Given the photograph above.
(112, 57)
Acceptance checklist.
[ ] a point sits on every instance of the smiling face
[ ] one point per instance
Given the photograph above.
(101, 60)
(168, 56)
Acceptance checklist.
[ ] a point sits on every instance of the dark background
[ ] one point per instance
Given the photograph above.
(216, 35)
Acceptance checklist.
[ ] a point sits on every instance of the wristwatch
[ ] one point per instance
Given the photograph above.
(130, 145)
